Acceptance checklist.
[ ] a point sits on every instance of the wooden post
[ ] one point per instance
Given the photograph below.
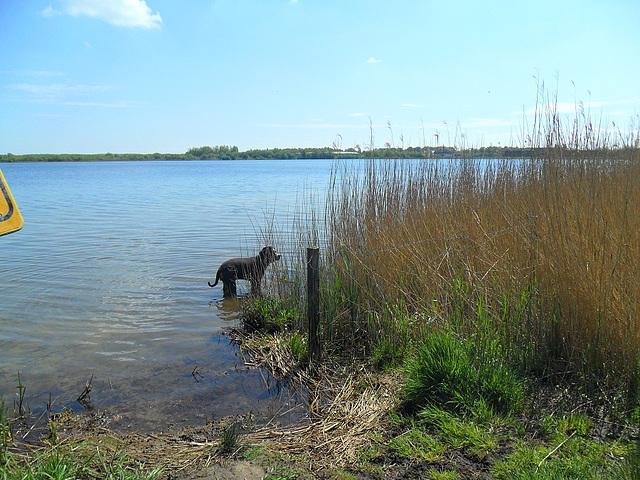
(313, 301)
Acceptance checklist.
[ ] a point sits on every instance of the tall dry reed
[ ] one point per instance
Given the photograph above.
(540, 255)
(544, 253)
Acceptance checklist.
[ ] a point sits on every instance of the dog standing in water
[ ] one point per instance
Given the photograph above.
(251, 269)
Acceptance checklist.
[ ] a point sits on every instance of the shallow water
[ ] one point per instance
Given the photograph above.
(108, 278)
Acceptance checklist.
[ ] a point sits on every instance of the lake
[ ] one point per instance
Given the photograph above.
(108, 279)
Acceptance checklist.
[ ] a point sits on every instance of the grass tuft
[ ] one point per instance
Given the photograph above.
(443, 373)
(230, 439)
(268, 315)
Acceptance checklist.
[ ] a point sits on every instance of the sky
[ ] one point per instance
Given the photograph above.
(144, 76)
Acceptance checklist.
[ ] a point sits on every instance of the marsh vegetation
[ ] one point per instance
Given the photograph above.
(506, 293)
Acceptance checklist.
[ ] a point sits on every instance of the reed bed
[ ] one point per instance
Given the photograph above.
(538, 258)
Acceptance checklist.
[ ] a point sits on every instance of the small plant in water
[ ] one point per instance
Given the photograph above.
(19, 406)
(230, 439)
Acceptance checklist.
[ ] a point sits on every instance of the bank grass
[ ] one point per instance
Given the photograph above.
(446, 374)
(269, 315)
(5, 433)
(574, 457)
(60, 463)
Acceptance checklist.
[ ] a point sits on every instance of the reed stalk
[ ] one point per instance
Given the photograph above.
(540, 254)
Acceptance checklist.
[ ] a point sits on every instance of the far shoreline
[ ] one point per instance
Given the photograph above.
(232, 153)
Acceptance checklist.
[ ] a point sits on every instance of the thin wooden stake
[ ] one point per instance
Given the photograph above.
(313, 301)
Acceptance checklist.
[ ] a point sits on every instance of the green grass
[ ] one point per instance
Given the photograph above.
(269, 315)
(444, 373)
(5, 433)
(575, 458)
(457, 433)
(297, 345)
(56, 464)
(230, 439)
(563, 447)
(419, 445)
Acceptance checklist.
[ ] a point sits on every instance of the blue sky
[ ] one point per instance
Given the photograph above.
(94, 76)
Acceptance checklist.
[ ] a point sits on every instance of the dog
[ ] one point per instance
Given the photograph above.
(251, 269)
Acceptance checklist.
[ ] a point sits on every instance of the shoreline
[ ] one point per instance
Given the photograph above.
(350, 411)
(197, 451)
(311, 153)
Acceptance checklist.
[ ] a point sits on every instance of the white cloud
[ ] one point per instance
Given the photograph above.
(374, 60)
(49, 12)
(122, 13)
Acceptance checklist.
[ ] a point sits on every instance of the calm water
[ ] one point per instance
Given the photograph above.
(108, 278)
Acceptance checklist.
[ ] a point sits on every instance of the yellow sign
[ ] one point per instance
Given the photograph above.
(10, 218)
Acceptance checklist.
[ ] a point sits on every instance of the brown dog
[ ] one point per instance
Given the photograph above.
(251, 269)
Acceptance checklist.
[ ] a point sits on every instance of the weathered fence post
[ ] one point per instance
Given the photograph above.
(313, 301)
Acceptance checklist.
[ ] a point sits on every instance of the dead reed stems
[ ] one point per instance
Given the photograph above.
(540, 255)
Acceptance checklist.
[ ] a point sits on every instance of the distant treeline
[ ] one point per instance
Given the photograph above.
(224, 152)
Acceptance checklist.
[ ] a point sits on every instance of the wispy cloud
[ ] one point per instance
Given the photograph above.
(55, 92)
(49, 115)
(412, 105)
(122, 13)
(117, 104)
(50, 12)
(373, 60)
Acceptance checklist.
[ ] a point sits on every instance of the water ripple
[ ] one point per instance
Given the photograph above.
(109, 272)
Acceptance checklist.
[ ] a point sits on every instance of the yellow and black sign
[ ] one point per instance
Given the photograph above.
(10, 218)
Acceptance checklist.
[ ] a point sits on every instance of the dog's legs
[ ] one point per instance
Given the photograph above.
(229, 289)
(229, 283)
(255, 286)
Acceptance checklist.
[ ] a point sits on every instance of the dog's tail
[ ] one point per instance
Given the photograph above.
(216, 282)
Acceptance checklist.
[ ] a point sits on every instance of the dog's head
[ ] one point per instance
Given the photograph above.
(268, 254)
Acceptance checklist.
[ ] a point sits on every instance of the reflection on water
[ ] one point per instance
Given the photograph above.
(109, 275)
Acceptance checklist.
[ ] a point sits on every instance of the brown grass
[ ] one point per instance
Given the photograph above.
(541, 254)
(346, 405)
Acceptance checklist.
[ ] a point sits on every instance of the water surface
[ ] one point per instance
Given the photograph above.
(108, 279)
